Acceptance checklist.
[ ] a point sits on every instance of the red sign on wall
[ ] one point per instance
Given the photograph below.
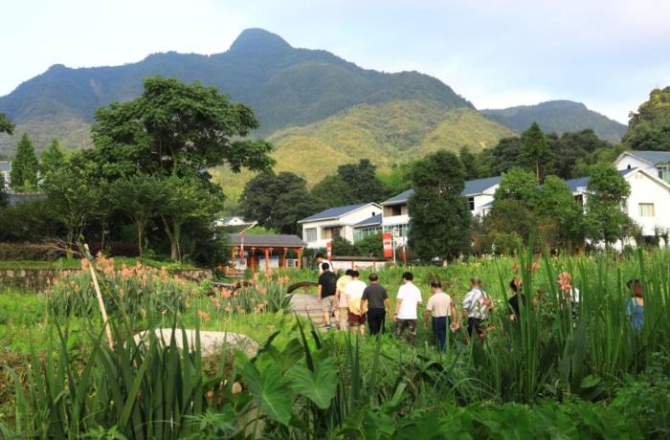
(329, 249)
(388, 244)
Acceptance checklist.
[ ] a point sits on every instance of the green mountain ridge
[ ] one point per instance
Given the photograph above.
(558, 116)
(285, 86)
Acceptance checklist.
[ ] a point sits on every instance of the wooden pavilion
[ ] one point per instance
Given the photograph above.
(264, 251)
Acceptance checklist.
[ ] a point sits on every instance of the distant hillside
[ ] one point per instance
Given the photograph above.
(558, 117)
(285, 86)
(387, 134)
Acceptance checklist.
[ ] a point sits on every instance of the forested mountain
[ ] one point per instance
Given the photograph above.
(285, 87)
(558, 117)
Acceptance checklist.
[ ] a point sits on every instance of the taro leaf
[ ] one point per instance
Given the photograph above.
(271, 391)
(318, 386)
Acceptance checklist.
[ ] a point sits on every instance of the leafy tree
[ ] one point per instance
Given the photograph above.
(6, 126)
(536, 155)
(331, 191)
(342, 247)
(74, 195)
(176, 129)
(560, 214)
(607, 194)
(23, 176)
(520, 185)
(574, 148)
(185, 200)
(397, 179)
(277, 201)
(52, 159)
(470, 163)
(364, 186)
(649, 128)
(503, 156)
(140, 198)
(370, 246)
(440, 214)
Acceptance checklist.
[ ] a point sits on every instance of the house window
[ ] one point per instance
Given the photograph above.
(471, 202)
(330, 233)
(664, 172)
(310, 235)
(647, 210)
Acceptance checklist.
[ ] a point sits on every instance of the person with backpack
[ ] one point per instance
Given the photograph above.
(476, 308)
(327, 286)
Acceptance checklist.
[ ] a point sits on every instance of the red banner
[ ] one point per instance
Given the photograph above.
(388, 244)
(329, 249)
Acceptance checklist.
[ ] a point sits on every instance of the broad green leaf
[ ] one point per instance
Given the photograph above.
(271, 391)
(318, 386)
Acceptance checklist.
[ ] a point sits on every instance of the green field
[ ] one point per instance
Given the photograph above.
(551, 374)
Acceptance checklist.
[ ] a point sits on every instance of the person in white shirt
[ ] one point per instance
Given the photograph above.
(341, 306)
(407, 301)
(320, 260)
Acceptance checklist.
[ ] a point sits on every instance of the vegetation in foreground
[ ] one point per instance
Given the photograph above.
(545, 376)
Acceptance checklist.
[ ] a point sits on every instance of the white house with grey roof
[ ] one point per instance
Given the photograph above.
(396, 217)
(656, 163)
(648, 204)
(341, 221)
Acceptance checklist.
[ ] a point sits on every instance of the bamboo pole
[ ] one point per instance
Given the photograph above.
(101, 303)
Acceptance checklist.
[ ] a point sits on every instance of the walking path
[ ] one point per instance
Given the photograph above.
(305, 304)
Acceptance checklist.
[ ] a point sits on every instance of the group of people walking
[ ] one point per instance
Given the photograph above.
(353, 304)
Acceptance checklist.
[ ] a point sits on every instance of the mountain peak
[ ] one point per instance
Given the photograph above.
(256, 40)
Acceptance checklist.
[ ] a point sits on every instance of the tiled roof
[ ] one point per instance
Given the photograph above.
(478, 186)
(266, 240)
(400, 198)
(653, 157)
(472, 187)
(370, 221)
(582, 182)
(333, 213)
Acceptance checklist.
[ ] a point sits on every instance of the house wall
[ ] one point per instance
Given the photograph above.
(646, 190)
(345, 222)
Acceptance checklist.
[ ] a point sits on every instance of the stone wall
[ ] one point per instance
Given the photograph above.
(37, 280)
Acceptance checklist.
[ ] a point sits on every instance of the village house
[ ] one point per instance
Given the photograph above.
(341, 221)
(656, 163)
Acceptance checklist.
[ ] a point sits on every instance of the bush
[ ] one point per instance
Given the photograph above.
(29, 251)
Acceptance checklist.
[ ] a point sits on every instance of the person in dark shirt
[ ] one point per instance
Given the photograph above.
(513, 301)
(376, 299)
(326, 292)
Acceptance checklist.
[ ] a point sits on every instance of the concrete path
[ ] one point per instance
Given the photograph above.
(306, 305)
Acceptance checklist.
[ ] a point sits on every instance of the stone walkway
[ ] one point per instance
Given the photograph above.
(306, 305)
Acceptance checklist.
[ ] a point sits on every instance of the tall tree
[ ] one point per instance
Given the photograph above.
(536, 155)
(608, 191)
(52, 158)
(186, 200)
(140, 198)
(177, 129)
(364, 185)
(277, 201)
(559, 215)
(23, 176)
(440, 214)
(649, 128)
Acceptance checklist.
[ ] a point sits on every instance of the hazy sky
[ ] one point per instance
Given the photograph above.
(608, 54)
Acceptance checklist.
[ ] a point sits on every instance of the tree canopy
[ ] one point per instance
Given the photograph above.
(605, 219)
(649, 128)
(6, 126)
(176, 129)
(23, 176)
(440, 214)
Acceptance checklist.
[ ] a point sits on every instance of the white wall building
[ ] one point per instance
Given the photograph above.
(320, 228)
(656, 163)
(648, 204)
(5, 171)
